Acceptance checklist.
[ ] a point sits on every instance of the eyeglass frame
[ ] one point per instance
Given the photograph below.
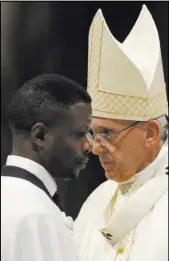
(115, 132)
(126, 128)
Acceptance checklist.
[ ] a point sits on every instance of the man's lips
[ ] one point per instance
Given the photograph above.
(107, 165)
(106, 162)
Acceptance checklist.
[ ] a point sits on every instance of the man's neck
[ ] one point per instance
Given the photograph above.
(25, 153)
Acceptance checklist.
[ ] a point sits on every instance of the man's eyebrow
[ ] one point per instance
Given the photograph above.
(103, 127)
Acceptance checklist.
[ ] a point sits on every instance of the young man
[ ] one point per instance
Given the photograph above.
(126, 218)
(49, 118)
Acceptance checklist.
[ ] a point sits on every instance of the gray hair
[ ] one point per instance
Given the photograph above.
(163, 122)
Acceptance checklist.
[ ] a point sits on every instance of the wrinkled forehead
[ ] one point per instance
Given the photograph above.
(98, 122)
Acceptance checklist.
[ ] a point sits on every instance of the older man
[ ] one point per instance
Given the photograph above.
(125, 218)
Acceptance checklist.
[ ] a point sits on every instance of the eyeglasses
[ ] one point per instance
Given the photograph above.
(106, 133)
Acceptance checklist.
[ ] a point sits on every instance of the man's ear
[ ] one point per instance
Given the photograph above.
(152, 134)
(38, 135)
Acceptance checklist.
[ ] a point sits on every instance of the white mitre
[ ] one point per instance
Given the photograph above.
(126, 80)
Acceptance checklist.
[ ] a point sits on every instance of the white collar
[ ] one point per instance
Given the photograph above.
(36, 169)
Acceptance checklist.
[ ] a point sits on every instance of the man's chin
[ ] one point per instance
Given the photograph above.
(112, 175)
(117, 177)
(109, 175)
(69, 173)
(70, 176)
(78, 170)
(65, 175)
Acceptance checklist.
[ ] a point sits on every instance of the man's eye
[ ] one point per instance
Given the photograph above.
(105, 131)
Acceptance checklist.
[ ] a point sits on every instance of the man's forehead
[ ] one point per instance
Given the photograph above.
(80, 106)
(98, 122)
(81, 114)
(82, 109)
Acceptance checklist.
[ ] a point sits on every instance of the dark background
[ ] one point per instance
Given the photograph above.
(52, 37)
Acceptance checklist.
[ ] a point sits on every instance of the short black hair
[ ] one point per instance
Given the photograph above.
(39, 98)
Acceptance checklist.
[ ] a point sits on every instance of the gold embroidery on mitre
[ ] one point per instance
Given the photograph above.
(117, 103)
(129, 105)
(95, 56)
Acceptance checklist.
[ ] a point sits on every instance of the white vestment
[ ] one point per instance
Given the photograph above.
(148, 239)
(32, 227)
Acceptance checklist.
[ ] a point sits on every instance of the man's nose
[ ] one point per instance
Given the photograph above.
(97, 148)
(87, 146)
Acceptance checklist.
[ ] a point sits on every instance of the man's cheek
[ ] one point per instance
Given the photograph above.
(70, 154)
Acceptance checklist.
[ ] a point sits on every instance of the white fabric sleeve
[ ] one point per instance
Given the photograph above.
(42, 238)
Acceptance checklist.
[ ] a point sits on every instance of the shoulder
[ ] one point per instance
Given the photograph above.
(23, 198)
(99, 197)
(161, 206)
(105, 187)
(159, 216)
(158, 230)
(101, 191)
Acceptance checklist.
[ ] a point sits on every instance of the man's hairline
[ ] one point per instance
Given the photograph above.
(62, 107)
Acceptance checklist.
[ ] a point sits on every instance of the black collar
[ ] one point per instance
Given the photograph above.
(16, 172)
